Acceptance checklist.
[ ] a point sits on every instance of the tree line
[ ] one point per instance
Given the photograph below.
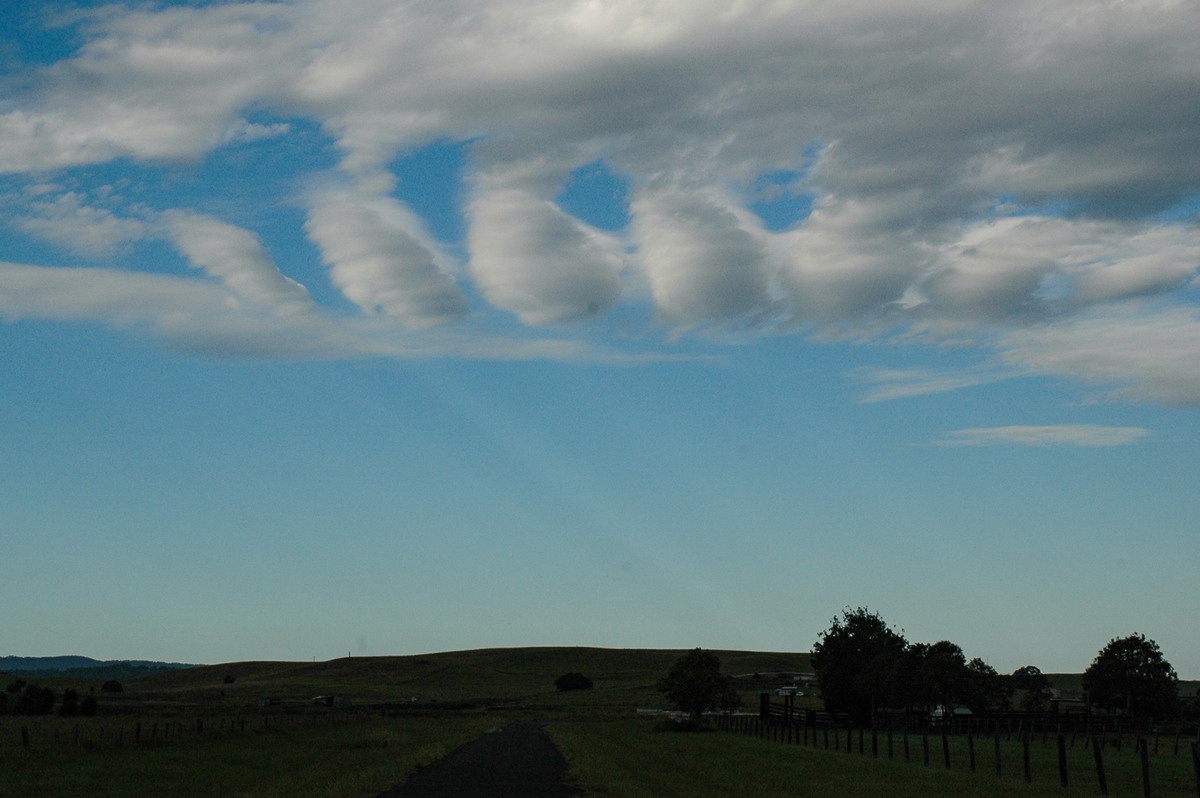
(864, 665)
(26, 698)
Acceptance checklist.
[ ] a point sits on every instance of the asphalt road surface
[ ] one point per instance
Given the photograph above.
(518, 761)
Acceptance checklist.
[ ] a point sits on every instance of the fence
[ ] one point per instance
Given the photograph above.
(1100, 753)
(43, 734)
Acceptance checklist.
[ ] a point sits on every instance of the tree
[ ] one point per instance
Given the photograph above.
(1035, 686)
(70, 703)
(1028, 677)
(986, 689)
(1131, 673)
(573, 681)
(695, 685)
(112, 686)
(35, 700)
(850, 657)
(944, 674)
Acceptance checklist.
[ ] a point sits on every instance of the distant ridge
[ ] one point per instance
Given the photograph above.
(83, 666)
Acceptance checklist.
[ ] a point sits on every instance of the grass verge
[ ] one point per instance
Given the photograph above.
(350, 759)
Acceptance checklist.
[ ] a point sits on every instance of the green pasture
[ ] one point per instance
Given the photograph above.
(634, 759)
(351, 758)
(202, 732)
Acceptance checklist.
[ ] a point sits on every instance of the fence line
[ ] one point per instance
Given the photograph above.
(44, 733)
(821, 730)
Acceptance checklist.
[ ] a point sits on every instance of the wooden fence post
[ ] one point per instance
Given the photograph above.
(1025, 757)
(1096, 752)
(25, 737)
(1062, 760)
(925, 747)
(1144, 753)
(997, 741)
(1196, 765)
(971, 748)
(946, 748)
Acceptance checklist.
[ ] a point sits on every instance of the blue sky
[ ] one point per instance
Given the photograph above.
(401, 328)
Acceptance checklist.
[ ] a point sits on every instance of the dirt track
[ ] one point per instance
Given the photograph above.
(518, 761)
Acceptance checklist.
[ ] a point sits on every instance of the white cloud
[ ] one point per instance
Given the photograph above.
(532, 259)
(1050, 435)
(381, 260)
(237, 258)
(205, 317)
(703, 264)
(68, 220)
(888, 384)
(1148, 355)
(996, 171)
(151, 84)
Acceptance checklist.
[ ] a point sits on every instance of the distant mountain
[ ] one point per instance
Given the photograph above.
(84, 666)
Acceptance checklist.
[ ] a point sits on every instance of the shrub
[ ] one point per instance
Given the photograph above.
(573, 681)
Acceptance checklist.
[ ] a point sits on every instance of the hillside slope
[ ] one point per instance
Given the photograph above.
(487, 676)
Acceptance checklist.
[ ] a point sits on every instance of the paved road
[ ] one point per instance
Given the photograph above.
(519, 761)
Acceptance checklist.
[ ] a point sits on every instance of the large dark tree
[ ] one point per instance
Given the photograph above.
(944, 674)
(986, 689)
(1028, 677)
(1035, 686)
(1130, 673)
(695, 685)
(851, 659)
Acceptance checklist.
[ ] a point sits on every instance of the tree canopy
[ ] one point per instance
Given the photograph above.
(1130, 673)
(863, 665)
(853, 660)
(696, 685)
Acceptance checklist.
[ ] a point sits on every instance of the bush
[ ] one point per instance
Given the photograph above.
(70, 704)
(35, 701)
(112, 686)
(573, 681)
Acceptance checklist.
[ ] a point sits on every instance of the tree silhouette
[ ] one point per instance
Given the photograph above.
(1130, 673)
(573, 681)
(695, 685)
(851, 657)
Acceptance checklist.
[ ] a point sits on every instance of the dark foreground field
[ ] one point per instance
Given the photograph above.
(202, 732)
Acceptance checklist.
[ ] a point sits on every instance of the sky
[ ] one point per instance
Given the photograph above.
(395, 326)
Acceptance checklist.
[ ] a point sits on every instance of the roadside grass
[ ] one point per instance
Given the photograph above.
(345, 759)
(631, 759)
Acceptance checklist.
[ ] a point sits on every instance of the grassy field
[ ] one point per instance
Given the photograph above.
(201, 732)
(338, 759)
(514, 677)
(632, 759)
